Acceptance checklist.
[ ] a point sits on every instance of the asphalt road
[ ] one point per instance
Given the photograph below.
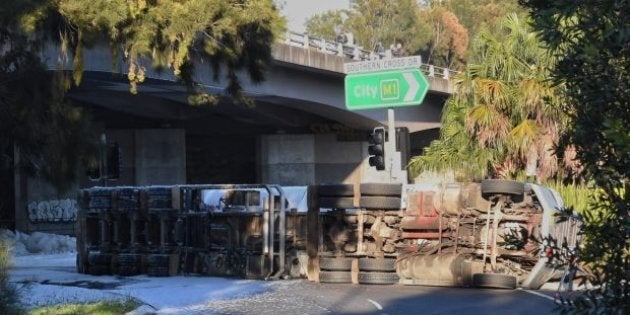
(303, 297)
(53, 279)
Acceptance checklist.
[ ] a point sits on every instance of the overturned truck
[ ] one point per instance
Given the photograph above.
(488, 234)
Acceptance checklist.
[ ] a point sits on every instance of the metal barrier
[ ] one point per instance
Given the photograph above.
(356, 53)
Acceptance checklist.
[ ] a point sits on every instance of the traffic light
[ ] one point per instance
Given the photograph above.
(376, 149)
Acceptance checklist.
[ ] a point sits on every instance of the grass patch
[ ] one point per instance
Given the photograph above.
(115, 307)
(9, 294)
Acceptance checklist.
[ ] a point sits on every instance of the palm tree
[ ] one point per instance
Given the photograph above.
(504, 116)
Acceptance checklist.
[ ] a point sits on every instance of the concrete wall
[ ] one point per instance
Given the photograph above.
(43, 208)
(309, 159)
(149, 157)
(221, 159)
(337, 161)
(160, 156)
(287, 159)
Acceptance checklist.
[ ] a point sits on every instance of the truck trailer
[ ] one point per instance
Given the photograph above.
(496, 233)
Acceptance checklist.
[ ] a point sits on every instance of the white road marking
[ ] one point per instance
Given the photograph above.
(378, 306)
(545, 296)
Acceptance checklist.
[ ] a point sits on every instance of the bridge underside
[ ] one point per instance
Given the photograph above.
(223, 142)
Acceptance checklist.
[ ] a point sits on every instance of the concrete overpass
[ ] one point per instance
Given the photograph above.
(305, 77)
(298, 133)
(302, 97)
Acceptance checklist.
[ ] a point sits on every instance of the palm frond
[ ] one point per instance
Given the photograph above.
(523, 136)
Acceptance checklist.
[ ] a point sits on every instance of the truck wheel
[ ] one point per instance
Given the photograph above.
(158, 260)
(377, 264)
(493, 280)
(335, 277)
(490, 187)
(336, 202)
(98, 270)
(129, 259)
(336, 190)
(378, 278)
(380, 202)
(335, 263)
(377, 189)
(99, 259)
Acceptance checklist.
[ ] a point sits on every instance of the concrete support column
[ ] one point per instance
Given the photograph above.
(20, 182)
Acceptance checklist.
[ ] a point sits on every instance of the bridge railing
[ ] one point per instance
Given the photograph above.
(356, 52)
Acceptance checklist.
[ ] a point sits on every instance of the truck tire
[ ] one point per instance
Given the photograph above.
(157, 271)
(351, 219)
(158, 260)
(336, 190)
(377, 264)
(380, 202)
(335, 263)
(491, 187)
(378, 189)
(99, 259)
(493, 280)
(129, 259)
(336, 202)
(335, 277)
(127, 271)
(378, 278)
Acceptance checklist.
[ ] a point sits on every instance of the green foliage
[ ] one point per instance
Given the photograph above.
(374, 24)
(453, 150)
(574, 196)
(440, 37)
(9, 299)
(503, 113)
(101, 308)
(52, 136)
(477, 15)
(171, 34)
(591, 41)
(438, 31)
(379, 23)
(327, 25)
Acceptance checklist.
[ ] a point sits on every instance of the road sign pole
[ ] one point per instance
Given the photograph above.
(391, 145)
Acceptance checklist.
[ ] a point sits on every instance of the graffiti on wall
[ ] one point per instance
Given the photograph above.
(53, 210)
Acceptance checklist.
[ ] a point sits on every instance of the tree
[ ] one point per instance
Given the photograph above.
(52, 135)
(503, 115)
(379, 24)
(476, 15)
(591, 41)
(374, 24)
(440, 37)
(327, 25)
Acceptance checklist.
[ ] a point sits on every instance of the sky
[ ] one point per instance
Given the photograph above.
(297, 11)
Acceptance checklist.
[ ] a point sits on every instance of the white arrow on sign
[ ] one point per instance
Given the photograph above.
(414, 86)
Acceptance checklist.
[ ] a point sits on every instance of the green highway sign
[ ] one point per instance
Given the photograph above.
(385, 89)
